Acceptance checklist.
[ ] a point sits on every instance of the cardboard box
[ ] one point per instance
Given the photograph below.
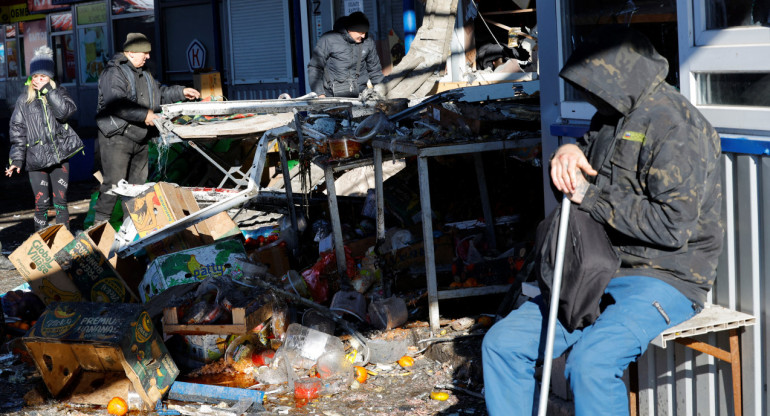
(205, 348)
(210, 85)
(87, 350)
(129, 268)
(165, 203)
(274, 255)
(34, 260)
(87, 267)
(193, 265)
(414, 255)
(359, 246)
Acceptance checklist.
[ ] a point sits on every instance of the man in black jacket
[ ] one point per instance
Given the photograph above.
(648, 170)
(129, 98)
(345, 59)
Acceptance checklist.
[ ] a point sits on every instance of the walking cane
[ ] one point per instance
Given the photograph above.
(561, 243)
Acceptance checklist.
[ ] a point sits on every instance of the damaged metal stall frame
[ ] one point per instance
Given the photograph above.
(251, 178)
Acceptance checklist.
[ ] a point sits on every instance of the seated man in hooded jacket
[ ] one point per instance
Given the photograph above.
(345, 59)
(647, 170)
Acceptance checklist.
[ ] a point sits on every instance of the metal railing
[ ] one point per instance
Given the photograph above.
(679, 381)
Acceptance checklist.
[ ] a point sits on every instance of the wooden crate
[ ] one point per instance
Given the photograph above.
(241, 322)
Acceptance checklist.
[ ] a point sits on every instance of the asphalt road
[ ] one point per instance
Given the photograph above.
(16, 211)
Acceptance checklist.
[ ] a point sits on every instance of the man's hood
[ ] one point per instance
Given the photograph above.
(618, 65)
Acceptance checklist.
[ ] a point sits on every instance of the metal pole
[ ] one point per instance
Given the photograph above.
(545, 383)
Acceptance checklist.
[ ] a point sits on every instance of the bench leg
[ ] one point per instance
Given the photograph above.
(735, 361)
(633, 390)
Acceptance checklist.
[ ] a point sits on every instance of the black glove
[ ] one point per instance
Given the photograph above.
(45, 89)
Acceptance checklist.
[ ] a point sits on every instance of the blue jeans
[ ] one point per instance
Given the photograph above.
(599, 353)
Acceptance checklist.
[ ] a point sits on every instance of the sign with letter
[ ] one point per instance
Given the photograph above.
(196, 55)
(20, 13)
(353, 6)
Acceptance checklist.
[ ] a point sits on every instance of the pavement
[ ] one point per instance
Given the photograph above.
(16, 212)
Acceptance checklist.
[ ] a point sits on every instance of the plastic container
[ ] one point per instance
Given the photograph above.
(307, 388)
(316, 320)
(351, 302)
(310, 343)
(294, 282)
(334, 364)
(343, 148)
(388, 313)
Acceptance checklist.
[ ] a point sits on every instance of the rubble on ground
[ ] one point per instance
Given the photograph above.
(242, 300)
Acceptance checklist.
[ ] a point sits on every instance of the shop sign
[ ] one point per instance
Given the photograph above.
(196, 55)
(44, 5)
(5, 17)
(353, 6)
(20, 13)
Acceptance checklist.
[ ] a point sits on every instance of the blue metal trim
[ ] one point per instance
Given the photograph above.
(569, 130)
(746, 145)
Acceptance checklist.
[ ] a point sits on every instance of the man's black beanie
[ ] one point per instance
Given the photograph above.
(357, 22)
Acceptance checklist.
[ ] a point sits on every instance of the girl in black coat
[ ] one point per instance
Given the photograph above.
(41, 140)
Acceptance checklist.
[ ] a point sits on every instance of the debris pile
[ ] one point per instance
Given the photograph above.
(278, 294)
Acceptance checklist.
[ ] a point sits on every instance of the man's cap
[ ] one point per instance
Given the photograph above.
(137, 42)
(42, 62)
(357, 22)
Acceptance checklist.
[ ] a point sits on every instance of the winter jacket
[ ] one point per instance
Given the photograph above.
(335, 58)
(126, 93)
(39, 134)
(660, 195)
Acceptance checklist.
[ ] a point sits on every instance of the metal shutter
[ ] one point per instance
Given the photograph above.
(260, 41)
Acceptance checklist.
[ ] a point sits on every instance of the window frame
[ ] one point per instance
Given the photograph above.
(51, 34)
(79, 36)
(703, 51)
(238, 79)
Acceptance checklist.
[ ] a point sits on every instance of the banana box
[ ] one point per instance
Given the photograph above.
(34, 260)
(87, 267)
(223, 258)
(91, 352)
(164, 203)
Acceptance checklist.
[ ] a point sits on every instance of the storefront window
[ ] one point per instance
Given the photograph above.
(655, 19)
(13, 58)
(724, 65)
(131, 6)
(736, 89)
(721, 14)
(64, 56)
(63, 45)
(61, 22)
(35, 36)
(89, 14)
(93, 49)
(3, 68)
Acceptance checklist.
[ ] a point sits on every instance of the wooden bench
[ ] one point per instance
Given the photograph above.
(713, 318)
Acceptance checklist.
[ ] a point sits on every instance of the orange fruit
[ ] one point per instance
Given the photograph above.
(406, 361)
(455, 285)
(471, 282)
(485, 321)
(117, 406)
(361, 374)
(23, 326)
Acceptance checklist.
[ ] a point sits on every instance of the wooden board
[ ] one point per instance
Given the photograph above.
(241, 323)
(241, 127)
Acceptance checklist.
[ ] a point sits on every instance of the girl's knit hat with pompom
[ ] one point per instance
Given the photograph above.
(42, 62)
